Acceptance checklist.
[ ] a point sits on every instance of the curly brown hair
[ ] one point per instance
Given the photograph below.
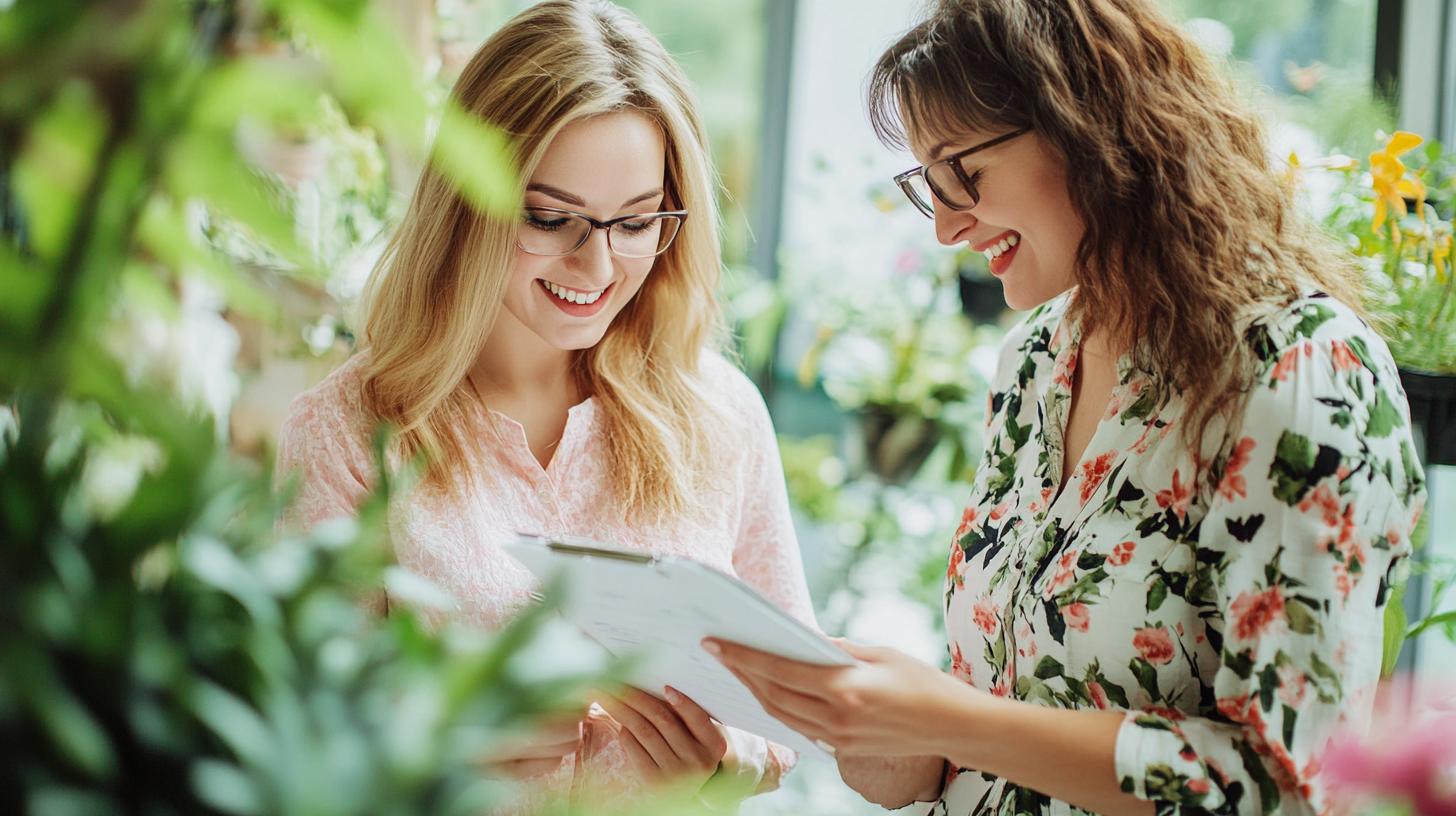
(1187, 224)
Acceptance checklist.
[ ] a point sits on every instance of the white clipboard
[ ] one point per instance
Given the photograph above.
(661, 608)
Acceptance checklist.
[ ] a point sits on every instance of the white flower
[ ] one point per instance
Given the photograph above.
(112, 472)
(192, 354)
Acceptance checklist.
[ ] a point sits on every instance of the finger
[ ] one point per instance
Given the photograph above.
(807, 715)
(669, 724)
(648, 737)
(698, 721)
(858, 651)
(553, 731)
(804, 677)
(508, 752)
(527, 768)
(638, 756)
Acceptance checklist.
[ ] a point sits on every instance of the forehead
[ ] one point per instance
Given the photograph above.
(930, 141)
(605, 158)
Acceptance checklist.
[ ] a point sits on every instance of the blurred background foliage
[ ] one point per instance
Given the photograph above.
(165, 648)
(195, 192)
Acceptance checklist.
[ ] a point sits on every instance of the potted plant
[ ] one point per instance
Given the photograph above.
(1394, 211)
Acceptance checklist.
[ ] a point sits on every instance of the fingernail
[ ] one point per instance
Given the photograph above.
(712, 648)
(672, 695)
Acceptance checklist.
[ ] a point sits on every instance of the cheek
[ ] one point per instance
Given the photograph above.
(527, 268)
(632, 278)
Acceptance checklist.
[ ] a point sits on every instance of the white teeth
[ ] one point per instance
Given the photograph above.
(573, 296)
(999, 248)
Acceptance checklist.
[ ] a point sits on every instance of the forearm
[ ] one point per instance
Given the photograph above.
(1065, 754)
(894, 782)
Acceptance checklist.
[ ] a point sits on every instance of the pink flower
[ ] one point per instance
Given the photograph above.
(1076, 617)
(1409, 756)
(1344, 358)
(1154, 644)
(1198, 786)
(1176, 497)
(1026, 643)
(1292, 684)
(1289, 363)
(968, 520)
(1094, 691)
(1066, 363)
(1233, 484)
(953, 571)
(958, 665)
(1094, 472)
(1065, 574)
(1121, 554)
(1166, 713)
(1255, 612)
(1326, 501)
(984, 613)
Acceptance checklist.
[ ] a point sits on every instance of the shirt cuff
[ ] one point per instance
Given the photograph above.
(1155, 761)
(732, 783)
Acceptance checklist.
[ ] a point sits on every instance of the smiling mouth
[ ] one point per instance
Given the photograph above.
(577, 296)
(1005, 244)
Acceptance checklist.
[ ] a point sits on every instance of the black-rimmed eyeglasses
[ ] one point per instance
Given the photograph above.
(549, 231)
(947, 179)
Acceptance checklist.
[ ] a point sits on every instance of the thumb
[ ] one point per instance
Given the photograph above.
(858, 651)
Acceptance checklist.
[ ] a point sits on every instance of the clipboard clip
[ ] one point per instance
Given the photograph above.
(566, 545)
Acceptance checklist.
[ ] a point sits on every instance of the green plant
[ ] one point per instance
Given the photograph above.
(165, 649)
(1397, 217)
(901, 355)
(910, 372)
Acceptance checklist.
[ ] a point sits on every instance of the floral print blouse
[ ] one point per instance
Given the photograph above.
(1236, 616)
(740, 525)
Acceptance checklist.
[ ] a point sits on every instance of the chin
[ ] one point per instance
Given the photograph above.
(574, 341)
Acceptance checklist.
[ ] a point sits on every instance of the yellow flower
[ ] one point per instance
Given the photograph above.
(1290, 176)
(1389, 178)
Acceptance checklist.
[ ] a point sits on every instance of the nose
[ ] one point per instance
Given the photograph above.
(594, 258)
(950, 223)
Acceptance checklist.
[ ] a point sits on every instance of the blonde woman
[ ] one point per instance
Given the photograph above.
(559, 370)
(1166, 591)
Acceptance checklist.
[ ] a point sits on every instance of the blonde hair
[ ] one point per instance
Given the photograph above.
(1186, 223)
(435, 294)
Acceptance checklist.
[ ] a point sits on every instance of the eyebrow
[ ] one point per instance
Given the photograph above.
(936, 150)
(558, 193)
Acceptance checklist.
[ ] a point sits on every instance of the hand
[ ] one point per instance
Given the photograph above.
(887, 704)
(539, 752)
(674, 741)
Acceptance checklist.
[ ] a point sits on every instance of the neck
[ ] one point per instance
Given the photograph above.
(515, 362)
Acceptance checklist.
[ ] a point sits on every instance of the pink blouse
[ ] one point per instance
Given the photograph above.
(741, 525)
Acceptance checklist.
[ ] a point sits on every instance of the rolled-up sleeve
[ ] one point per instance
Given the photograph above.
(1295, 563)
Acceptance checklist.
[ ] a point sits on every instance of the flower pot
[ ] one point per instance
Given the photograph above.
(895, 445)
(981, 298)
(1433, 412)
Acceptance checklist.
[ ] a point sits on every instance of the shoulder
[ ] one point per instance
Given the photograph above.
(1320, 336)
(1327, 396)
(728, 387)
(332, 410)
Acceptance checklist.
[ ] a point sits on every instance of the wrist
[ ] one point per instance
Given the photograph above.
(975, 723)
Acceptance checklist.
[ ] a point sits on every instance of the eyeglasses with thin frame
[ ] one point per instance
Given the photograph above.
(552, 232)
(947, 179)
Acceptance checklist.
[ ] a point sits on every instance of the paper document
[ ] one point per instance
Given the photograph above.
(661, 609)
